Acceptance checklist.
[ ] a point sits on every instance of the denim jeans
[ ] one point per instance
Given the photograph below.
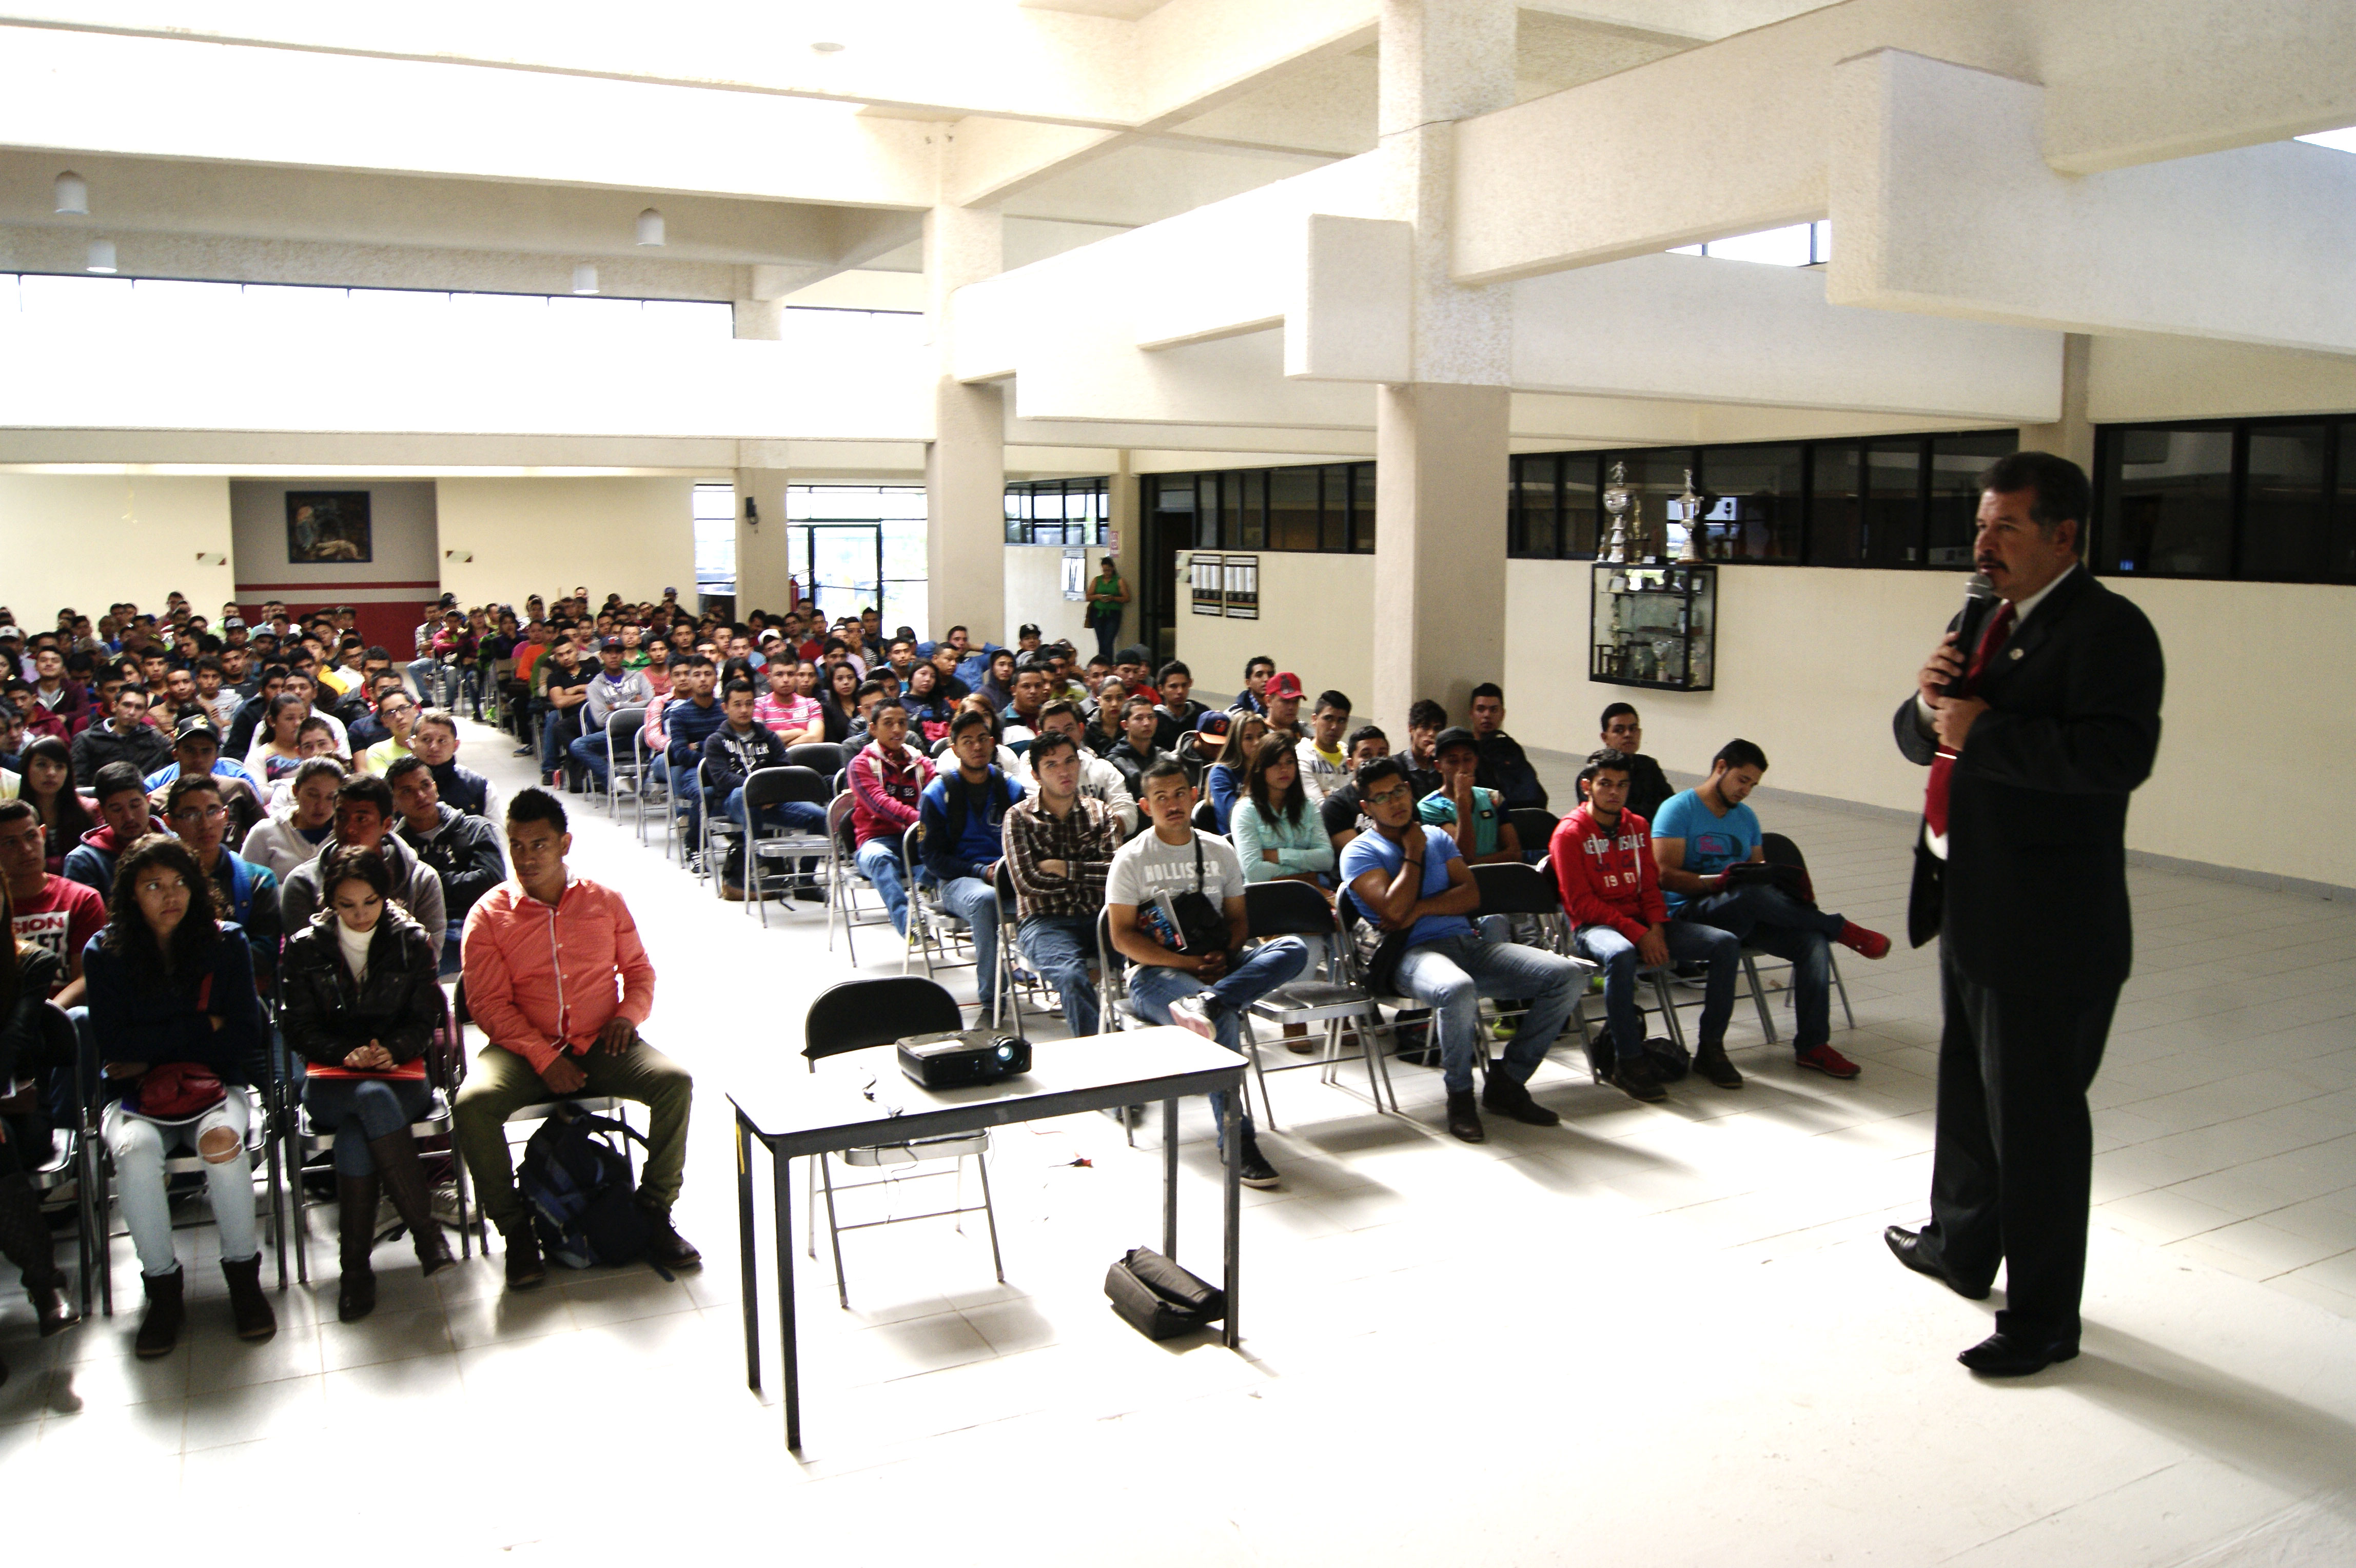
(975, 902)
(1688, 943)
(359, 1110)
(879, 862)
(1108, 635)
(1152, 987)
(589, 751)
(555, 733)
(1061, 946)
(139, 1146)
(431, 682)
(1774, 921)
(1451, 976)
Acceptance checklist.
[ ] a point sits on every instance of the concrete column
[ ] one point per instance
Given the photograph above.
(2072, 435)
(1439, 551)
(763, 568)
(1127, 523)
(1440, 439)
(760, 318)
(965, 464)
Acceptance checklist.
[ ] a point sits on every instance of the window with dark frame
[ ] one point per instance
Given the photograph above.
(2269, 500)
(1058, 512)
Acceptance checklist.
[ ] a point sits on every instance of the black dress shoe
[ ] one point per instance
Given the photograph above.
(2010, 1356)
(1906, 1246)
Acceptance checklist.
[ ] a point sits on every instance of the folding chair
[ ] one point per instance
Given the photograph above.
(622, 727)
(934, 934)
(769, 786)
(1205, 817)
(720, 831)
(60, 1175)
(1535, 827)
(446, 1068)
(1347, 919)
(823, 758)
(1781, 851)
(648, 789)
(844, 880)
(1289, 909)
(854, 1015)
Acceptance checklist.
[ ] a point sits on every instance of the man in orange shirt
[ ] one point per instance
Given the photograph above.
(556, 976)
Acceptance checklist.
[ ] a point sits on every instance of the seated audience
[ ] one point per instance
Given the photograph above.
(1099, 780)
(359, 996)
(887, 784)
(1223, 780)
(1258, 670)
(45, 910)
(1137, 749)
(1278, 834)
(398, 713)
(1648, 786)
(1059, 847)
(1338, 813)
(462, 851)
(47, 784)
(364, 819)
(1475, 818)
(245, 893)
(1283, 698)
(1413, 884)
(435, 742)
(293, 834)
(1425, 720)
(679, 725)
(1601, 855)
(1705, 831)
(1323, 763)
(928, 707)
(1505, 766)
(997, 683)
(277, 747)
(838, 700)
(179, 1029)
(786, 709)
(963, 839)
(565, 699)
(29, 974)
(559, 982)
(739, 748)
(124, 820)
(1204, 984)
(1177, 711)
(196, 753)
(123, 736)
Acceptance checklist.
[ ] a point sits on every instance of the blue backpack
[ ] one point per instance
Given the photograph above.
(577, 1185)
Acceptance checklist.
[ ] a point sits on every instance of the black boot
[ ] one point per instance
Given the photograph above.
(1464, 1118)
(26, 1242)
(525, 1268)
(404, 1181)
(159, 1330)
(356, 1239)
(248, 1306)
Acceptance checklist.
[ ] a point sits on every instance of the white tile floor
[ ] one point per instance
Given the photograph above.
(1654, 1334)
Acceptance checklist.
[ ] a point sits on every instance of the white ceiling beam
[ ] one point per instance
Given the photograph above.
(73, 91)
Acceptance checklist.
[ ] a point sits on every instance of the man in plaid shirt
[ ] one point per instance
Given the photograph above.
(1059, 846)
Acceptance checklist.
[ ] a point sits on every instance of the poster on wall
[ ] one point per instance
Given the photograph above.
(1075, 575)
(329, 525)
(1206, 579)
(1241, 586)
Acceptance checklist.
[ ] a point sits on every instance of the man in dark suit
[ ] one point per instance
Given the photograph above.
(2020, 869)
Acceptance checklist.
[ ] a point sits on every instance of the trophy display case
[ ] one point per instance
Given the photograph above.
(1655, 625)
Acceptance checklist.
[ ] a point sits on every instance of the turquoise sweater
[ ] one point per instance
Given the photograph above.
(1299, 846)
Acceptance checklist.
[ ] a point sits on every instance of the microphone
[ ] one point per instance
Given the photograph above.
(1979, 602)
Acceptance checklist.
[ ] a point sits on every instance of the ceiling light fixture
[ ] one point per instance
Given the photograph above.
(650, 227)
(584, 279)
(827, 47)
(101, 256)
(73, 194)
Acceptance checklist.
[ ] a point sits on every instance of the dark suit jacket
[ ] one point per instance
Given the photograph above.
(2034, 893)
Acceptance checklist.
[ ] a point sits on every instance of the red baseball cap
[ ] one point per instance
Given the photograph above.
(1284, 683)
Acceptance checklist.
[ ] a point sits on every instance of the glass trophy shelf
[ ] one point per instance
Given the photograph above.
(1655, 626)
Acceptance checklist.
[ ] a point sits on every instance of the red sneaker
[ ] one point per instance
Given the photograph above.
(1857, 940)
(1829, 1061)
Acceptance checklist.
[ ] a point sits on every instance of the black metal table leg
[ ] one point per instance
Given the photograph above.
(1231, 1130)
(749, 1282)
(1169, 1180)
(781, 1177)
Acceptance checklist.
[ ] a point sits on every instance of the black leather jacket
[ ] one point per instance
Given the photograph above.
(324, 1016)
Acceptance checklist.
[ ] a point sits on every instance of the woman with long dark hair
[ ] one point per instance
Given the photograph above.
(357, 997)
(28, 973)
(838, 701)
(48, 785)
(1224, 779)
(1278, 834)
(998, 683)
(278, 749)
(928, 710)
(179, 1028)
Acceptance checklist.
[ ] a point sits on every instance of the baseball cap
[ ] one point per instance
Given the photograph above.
(1028, 628)
(1454, 734)
(1215, 725)
(611, 645)
(232, 624)
(8, 630)
(670, 593)
(1284, 683)
(194, 726)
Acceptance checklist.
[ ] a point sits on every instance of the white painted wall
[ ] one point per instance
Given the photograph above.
(88, 539)
(631, 536)
(1314, 621)
(1811, 665)
(400, 529)
(1034, 593)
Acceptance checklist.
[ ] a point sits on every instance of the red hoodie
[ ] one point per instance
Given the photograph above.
(1608, 880)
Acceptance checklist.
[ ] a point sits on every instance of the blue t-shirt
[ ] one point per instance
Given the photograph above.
(1712, 843)
(1370, 851)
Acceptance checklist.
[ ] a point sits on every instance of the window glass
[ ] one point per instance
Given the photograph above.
(2284, 515)
(1893, 502)
(2340, 559)
(1533, 524)
(1206, 511)
(1763, 499)
(1579, 507)
(1361, 508)
(714, 511)
(1834, 522)
(2169, 503)
(1292, 508)
(1957, 464)
(1333, 508)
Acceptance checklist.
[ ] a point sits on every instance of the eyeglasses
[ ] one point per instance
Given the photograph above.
(1387, 796)
(200, 813)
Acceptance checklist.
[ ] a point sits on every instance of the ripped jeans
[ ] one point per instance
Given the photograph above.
(139, 1147)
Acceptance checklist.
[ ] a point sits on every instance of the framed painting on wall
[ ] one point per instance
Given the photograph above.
(329, 525)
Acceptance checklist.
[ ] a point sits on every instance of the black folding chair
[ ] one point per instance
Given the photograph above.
(1535, 827)
(823, 758)
(1289, 909)
(854, 1015)
(1781, 851)
(769, 786)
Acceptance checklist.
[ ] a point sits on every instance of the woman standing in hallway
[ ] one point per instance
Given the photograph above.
(1107, 598)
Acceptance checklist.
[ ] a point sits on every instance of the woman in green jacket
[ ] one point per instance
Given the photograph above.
(1107, 598)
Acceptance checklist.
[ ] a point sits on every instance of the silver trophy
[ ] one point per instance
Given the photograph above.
(1694, 504)
(1619, 502)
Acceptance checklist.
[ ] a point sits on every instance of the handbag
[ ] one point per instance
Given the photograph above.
(175, 1091)
(1158, 1298)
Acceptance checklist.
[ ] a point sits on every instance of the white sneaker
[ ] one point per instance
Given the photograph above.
(1194, 1013)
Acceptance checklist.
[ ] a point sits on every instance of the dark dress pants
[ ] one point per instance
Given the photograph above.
(2016, 1146)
